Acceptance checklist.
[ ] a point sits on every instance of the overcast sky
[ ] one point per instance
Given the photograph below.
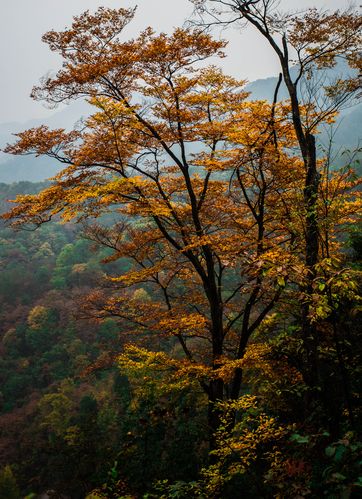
(24, 58)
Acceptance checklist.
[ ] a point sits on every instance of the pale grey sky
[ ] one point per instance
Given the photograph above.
(24, 58)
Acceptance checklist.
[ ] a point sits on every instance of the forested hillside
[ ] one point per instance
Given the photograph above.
(72, 421)
(180, 304)
(47, 402)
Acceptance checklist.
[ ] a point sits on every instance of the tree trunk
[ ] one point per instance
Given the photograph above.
(216, 394)
(309, 333)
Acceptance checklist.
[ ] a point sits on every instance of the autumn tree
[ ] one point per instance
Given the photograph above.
(203, 185)
(307, 44)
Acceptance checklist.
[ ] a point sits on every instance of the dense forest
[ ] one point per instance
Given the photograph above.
(72, 421)
(180, 304)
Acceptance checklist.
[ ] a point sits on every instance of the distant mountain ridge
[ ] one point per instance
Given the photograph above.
(30, 168)
(347, 133)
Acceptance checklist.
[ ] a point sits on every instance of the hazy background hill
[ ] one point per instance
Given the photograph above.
(30, 168)
(14, 169)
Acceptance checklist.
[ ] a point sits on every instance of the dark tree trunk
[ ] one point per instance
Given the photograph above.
(309, 333)
(216, 394)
